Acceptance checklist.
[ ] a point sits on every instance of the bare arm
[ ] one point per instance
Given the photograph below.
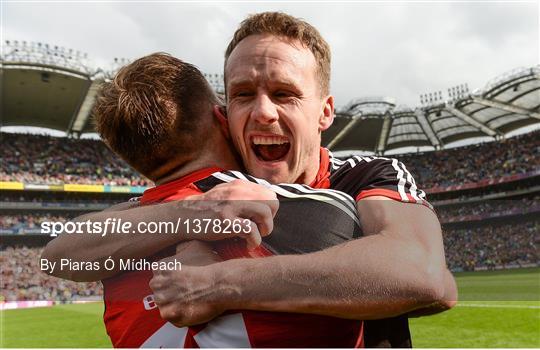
(399, 267)
(449, 300)
(93, 247)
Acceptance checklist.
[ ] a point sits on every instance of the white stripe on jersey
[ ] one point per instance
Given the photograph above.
(335, 162)
(400, 172)
(168, 336)
(224, 332)
(412, 183)
(348, 200)
(243, 177)
(401, 181)
(418, 194)
(340, 200)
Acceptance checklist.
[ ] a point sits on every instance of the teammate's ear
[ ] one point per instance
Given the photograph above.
(221, 114)
(327, 114)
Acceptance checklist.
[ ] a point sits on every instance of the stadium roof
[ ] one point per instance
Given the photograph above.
(46, 86)
(55, 88)
(507, 103)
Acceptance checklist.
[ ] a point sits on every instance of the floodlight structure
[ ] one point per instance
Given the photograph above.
(54, 87)
(431, 98)
(37, 53)
(115, 66)
(216, 81)
(458, 92)
(46, 86)
(506, 103)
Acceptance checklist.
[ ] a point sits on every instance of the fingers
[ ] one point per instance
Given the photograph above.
(234, 202)
(241, 190)
(161, 286)
(185, 297)
(253, 239)
(261, 214)
(260, 225)
(273, 205)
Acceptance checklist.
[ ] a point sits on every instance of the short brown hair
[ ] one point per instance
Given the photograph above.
(149, 113)
(284, 25)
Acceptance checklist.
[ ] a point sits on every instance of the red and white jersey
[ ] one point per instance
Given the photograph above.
(133, 320)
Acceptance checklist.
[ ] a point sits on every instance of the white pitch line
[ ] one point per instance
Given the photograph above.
(501, 306)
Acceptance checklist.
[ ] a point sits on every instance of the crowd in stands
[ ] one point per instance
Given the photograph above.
(60, 198)
(455, 213)
(49, 160)
(29, 221)
(493, 207)
(52, 160)
(491, 160)
(492, 245)
(22, 279)
(482, 247)
(38, 159)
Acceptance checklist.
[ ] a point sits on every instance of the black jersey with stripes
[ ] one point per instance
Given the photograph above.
(362, 177)
(308, 220)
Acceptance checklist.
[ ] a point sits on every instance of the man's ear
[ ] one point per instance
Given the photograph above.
(327, 114)
(221, 114)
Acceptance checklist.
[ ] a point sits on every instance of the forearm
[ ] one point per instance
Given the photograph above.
(373, 277)
(95, 247)
(449, 300)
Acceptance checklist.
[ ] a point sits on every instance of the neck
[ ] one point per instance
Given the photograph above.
(310, 175)
(221, 157)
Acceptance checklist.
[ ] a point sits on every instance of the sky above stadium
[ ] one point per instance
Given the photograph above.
(394, 49)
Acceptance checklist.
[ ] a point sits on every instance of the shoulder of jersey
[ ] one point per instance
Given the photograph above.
(291, 191)
(351, 162)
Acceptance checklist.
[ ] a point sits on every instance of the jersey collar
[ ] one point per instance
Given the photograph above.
(157, 193)
(322, 180)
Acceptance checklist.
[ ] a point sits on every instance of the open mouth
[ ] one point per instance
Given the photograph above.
(270, 148)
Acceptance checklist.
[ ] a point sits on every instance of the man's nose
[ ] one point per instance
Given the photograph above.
(264, 111)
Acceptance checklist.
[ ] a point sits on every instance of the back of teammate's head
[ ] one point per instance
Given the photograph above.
(155, 113)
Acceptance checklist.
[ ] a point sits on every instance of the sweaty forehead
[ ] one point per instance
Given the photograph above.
(271, 57)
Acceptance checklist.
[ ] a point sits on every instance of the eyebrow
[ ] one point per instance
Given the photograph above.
(248, 82)
(240, 82)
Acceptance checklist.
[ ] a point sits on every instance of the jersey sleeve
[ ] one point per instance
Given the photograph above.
(364, 177)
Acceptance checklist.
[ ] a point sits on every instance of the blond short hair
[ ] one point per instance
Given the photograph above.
(292, 28)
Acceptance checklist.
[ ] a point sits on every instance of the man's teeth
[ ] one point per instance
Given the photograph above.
(269, 140)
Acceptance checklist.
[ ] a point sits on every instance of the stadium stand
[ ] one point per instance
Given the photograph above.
(51, 160)
(516, 156)
(478, 211)
(492, 246)
(28, 222)
(486, 194)
(39, 160)
(21, 282)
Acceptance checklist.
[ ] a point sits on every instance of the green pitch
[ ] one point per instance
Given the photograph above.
(497, 309)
